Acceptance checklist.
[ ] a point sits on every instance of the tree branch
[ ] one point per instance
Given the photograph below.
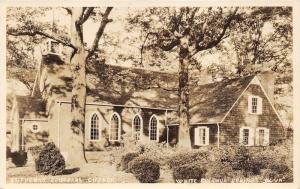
(34, 33)
(86, 14)
(68, 10)
(100, 31)
(215, 42)
(170, 46)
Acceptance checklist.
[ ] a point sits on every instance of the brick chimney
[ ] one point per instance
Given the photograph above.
(267, 79)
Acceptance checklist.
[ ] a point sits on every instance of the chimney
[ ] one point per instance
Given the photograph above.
(267, 80)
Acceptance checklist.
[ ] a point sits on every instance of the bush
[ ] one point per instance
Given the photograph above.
(278, 173)
(187, 172)
(187, 158)
(145, 170)
(243, 160)
(126, 159)
(158, 153)
(50, 160)
(19, 158)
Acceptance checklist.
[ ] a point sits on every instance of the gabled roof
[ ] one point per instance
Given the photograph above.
(107, 84)
(209, 103)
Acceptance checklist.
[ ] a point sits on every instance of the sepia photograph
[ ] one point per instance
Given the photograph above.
(164, 94)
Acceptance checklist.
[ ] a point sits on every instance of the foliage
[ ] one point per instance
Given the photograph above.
(278, 173)
(145, 169)
(126, 159)
(159, 153)
(187, 158)
(242, 160)
(19, 158)
(230, 163)
(50, 160)
(187, 172)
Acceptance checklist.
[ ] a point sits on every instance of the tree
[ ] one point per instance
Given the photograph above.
(263, 38)
(186, 31)
(29, 24)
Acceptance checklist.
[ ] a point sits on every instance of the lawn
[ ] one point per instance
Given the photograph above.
(89, 173)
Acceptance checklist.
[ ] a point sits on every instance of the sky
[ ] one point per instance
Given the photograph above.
(116, 29)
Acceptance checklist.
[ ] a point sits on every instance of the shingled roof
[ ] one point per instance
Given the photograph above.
(209, 103)
(137, 87)
(109, 84)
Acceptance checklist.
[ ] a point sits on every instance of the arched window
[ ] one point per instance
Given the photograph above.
(137, 127)
(115, 130)
(153, 128)
(94, 135)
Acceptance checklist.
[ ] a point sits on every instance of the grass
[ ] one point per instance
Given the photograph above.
(89, 173)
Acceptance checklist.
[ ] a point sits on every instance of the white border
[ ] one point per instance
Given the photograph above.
(296, 58)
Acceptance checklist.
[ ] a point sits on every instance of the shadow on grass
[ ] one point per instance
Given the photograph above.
(70, 171)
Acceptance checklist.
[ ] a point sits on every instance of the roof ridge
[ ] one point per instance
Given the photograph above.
(227, 79)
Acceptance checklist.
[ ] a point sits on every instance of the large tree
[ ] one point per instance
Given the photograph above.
(29, 24)
(185, 31)
(263, 37)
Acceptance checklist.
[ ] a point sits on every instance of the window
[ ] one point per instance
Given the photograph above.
(202, 136)
(94, 132)
(262, 136)
(254, 105)
(115, 131)
(35, 128)
(247, 136)
(137, 127)
(153, 128)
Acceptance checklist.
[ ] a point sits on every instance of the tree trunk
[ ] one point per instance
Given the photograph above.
(78, 67)
(183, 105)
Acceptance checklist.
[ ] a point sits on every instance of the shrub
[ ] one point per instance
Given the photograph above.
(275, 177)
(278, 173)
(19, 158)
(187, 158)
(50, 160)
(188, 172)
(145, 170)
(243, 160)
(158, 153)
(126, 159)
